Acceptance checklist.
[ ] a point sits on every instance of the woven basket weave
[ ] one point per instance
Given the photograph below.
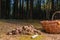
(52, 26)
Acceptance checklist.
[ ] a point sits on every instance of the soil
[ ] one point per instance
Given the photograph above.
(51, 36)
(6, 26)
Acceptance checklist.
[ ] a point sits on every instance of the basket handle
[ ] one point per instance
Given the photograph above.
(54, 14)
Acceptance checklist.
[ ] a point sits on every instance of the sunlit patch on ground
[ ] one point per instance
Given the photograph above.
(29, 37)
(20, 37)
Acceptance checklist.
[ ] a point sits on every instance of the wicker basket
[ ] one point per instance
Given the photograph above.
(51, 26)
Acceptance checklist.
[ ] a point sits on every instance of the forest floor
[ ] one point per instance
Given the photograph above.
(7, 25)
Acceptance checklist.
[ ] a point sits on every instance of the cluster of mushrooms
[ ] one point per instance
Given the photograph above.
(25, 30)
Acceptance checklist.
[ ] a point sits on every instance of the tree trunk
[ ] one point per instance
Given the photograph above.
(3, 9)
(0, 8)
(23, 9)
(27, 9)
(48, 10)
(16, 9)
(52, 5)
(52, 8)
(13, 14)
(31, 8)
(19, 9)
(57, 5)
(7, 8)
(39, 9)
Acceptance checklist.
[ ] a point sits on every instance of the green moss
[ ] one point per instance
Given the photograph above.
(28, 37)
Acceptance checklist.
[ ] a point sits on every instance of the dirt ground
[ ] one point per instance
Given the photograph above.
(7, 25)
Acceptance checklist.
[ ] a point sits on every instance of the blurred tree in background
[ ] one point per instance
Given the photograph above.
(28, 9)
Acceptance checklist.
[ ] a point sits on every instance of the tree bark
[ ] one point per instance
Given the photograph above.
(57, 5)
(16, 9)
(39, 9)
(52, 8)
(31, 8)
(19, 10)
(3, 9)
(7, 8)
(0, 8)
(23, 9)
(48, 10)
(27, 9)
(52, 5)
